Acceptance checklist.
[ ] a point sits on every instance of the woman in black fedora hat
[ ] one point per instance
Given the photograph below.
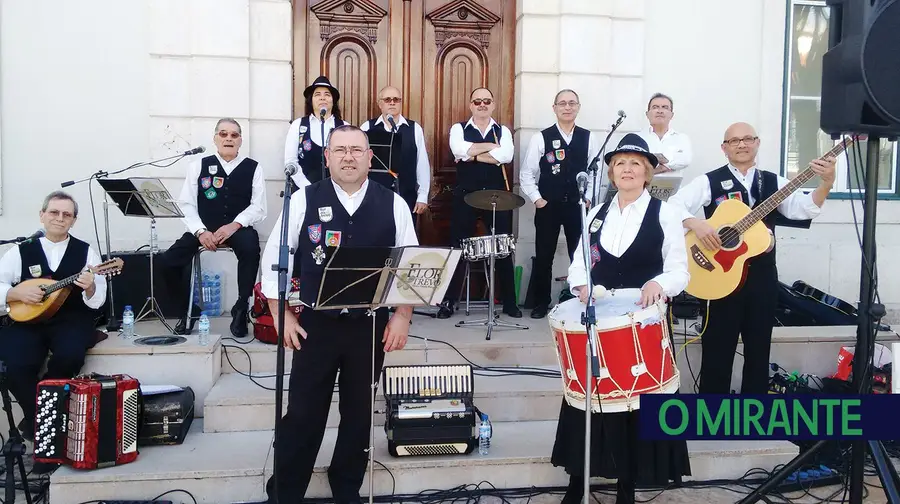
(636, 242)
(307, 136)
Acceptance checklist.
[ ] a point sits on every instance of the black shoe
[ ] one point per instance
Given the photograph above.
(575, 491)
(539, 312)
(445, 310)
(513, 311)
(239, 320)
(26, 429)
(181, 328)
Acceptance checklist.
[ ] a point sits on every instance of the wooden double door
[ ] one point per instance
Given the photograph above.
(434, 51)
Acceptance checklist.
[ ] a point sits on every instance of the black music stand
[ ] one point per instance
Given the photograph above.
(380, 277)
(147, 198)
(13, 448)
(383, 143)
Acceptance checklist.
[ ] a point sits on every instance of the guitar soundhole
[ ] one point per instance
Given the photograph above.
(730, 237)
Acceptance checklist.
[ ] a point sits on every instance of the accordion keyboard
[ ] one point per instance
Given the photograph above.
(52, 406)
(423, 382)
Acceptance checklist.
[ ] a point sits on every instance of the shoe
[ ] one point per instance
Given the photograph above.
(26, 429)
(512, 311)
(445, 310)
(539, 312)
(575, 491)
(181, 328)
(239, 320)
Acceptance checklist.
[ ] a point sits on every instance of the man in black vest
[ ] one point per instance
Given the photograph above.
(348, 211)
(223, 197)
(481, 148)
(405, 152)
(70, 332)
(306, 135)
(749, 311)
(554, 158)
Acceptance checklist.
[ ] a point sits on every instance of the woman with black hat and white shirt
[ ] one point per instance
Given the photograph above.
(637, 242)
(305, 139)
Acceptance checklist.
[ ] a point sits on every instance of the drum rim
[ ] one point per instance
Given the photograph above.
(620, 404)
(613, 323)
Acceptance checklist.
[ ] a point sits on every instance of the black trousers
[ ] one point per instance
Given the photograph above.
(547, 221)
(749, 312)
(462, 225)
(177, 264)
(24, 347)
(333, 344)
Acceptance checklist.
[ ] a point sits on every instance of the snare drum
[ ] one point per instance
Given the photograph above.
(634, 348)
(482, 247)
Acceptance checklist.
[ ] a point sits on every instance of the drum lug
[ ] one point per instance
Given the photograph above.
(639, 369)
(604, 373)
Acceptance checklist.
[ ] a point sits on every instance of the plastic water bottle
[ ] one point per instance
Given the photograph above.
(204, 330)
(484, 435)
(127, 323)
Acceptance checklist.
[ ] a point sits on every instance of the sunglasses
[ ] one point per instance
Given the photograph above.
(392, 99)
(478, 101)
(225, 134)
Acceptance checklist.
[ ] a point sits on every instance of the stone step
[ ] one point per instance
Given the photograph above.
(233, 467)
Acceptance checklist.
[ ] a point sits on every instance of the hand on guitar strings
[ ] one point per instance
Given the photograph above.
(86, 281)
(705, 233)
(28, 294)
(651, 293)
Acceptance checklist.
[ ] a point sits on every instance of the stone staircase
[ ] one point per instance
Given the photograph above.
(227, 457)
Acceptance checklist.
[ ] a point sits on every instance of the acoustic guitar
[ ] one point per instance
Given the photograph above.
(55, 293)
(716, 274)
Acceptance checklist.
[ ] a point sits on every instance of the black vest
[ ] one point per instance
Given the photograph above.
(723, 185)
(640, 263)
(372, 225)
(474, 175)
(73, 262)
(220, 196)
(561, 163)
(309, 154)
(403, 161)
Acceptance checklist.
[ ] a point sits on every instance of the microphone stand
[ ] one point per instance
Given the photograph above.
(396, 183)
(593, 167)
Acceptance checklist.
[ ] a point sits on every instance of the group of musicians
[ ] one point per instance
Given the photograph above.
(346, 196)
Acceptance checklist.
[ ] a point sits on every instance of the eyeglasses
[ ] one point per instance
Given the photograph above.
(392, 99)
(478, 101)
(225, 134)
(658, 107)
(356, 152)
(55, 214)
(571, 103)
(734, 142)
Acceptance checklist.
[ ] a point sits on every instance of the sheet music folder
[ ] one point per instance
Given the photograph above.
(141, 197)
(371, 277)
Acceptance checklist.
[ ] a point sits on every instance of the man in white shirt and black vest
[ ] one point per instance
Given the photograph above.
(69, 333)
(347, 211)
(306, 139)
(223, 197)
(749, 311)
(553, 160)
(481, 148)
(402, 146)
(671, 147)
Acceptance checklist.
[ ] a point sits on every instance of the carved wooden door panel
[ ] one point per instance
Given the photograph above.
(434, 51)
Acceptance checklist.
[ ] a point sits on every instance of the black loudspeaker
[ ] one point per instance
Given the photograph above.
(132, 286)
(860, 71)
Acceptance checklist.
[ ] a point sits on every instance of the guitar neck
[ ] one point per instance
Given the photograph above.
(65, 282)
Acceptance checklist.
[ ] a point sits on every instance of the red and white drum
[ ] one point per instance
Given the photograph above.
(635, 352)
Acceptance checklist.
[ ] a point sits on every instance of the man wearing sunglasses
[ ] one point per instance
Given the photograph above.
(402, 146)
(481, 148)
(223, 197)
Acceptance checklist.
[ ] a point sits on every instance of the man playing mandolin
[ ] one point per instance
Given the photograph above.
(750, 310)
(69, 333)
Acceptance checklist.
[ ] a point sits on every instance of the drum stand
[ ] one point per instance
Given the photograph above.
(492, 319)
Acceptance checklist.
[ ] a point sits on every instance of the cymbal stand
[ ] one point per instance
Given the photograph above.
(493, 319)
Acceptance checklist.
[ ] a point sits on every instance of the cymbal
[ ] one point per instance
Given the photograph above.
(505, 200)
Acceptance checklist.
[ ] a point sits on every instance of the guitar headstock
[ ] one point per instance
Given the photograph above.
(108, 268)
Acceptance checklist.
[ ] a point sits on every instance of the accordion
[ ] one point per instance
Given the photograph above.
(429, 410)
(87, 422)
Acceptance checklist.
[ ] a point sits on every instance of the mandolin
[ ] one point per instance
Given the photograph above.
(716, 274)
(55, 293)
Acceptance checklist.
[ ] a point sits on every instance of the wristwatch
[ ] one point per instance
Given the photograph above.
(200, 232)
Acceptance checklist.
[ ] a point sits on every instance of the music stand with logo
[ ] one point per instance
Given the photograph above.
(148, 198)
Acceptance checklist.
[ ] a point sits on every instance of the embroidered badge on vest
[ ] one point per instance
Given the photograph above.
(307, 144)
(595, 254)
(303, 129)
(315, 233)
(727, 184)
(210, 193)
(595, 225)
(556, 144)
(325, 214)
(319, 255)
(205, 182)
(720, 199)
(560, 154)
(550, 157)
(213, 169)
(736, 195)
(332, 238)
(218, 182)
(35, 270)
(555, 169)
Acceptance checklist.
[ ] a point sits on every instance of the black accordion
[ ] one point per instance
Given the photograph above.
(429, 410)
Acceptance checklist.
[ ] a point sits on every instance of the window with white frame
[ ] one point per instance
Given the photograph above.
(804, 140)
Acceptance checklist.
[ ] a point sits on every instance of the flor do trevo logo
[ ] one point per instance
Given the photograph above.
(775, 416)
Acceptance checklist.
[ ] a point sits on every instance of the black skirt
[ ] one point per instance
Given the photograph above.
(617, 452)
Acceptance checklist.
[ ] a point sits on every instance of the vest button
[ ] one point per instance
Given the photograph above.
(350, 221)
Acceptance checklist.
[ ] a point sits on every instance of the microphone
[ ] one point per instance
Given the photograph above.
(581, 180)
(37, 235)
(195, 150)
(622, 114)
(393, 124)
(291, 169)
(322, 113)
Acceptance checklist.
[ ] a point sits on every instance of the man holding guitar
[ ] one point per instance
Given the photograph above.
(748, 310)
(69, 333)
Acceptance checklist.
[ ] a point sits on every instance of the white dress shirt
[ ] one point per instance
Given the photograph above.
(460, 147)
(292, 143)
(697, 194)
(187, 201)
(423, 167)
(530, 171)
(676, 146)
(405, 232)
(619, 230)
(11, 271)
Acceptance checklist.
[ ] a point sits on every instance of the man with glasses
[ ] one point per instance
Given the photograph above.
(553, 160)
(69, 333)
(672, 148)
(346, 210)
(406, 152)
(481, 148)
(223, 197)
(749, 311)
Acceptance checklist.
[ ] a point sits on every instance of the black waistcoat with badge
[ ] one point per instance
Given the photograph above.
(220, 196)
(400, 153)
(309, 154)
(641, 262)
(327, 224)
(561, 163)
(723, 186)
(74, 260)
(474, 175)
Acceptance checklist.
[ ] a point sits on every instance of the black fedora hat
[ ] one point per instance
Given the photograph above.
(633, 142)
(322, 81)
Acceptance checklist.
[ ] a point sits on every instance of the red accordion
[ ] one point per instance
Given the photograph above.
(87, 422)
